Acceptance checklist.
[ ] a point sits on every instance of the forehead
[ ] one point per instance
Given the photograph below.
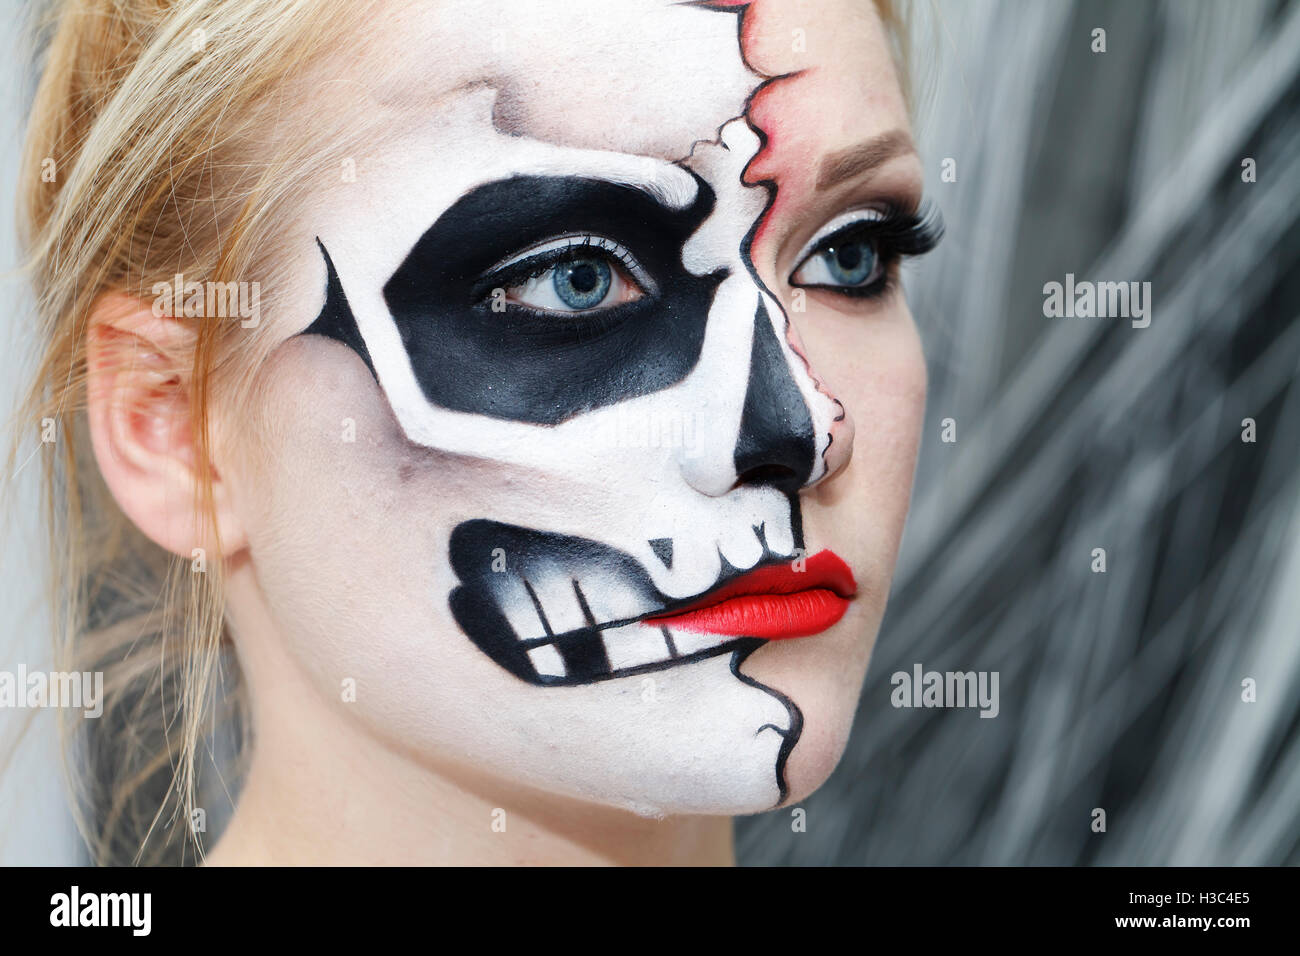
(647, 77)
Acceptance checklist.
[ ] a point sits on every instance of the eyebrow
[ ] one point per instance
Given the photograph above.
(865, 156)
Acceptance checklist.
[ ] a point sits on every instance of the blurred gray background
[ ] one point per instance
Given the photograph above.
(1123, 690)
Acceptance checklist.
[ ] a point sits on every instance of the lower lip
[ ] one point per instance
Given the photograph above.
(770, 616)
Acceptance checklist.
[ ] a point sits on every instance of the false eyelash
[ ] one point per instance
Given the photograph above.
(909, 234)
(898, 233)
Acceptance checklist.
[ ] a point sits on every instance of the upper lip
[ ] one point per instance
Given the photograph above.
(823, 570)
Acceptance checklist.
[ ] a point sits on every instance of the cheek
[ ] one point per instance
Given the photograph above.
(877, 367)
(885, 387)
(874, 364)
(329, 517)
(348, 525)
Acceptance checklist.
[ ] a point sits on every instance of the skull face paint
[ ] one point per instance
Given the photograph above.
(566, 325)
(569, 605)
(560, 383)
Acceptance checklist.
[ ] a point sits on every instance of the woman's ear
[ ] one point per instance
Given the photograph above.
(139, 409)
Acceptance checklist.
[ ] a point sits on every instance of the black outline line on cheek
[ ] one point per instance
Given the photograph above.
(789, 737)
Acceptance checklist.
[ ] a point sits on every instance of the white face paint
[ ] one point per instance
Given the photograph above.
(595, 472)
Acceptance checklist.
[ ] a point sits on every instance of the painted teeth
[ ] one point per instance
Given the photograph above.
(692, 642)
(567, 625)
(635, 644)
(627, 649)
(557, 619)
(546, 660)
(566, 610)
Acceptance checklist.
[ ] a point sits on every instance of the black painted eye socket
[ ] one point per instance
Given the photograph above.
(522, 363)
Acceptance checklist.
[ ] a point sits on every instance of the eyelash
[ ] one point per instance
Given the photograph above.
(895, 234)
(530, 267)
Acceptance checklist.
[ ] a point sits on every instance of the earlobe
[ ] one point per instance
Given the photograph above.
(140, 412)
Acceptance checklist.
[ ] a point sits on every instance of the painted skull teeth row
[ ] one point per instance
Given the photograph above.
(557, 609)
(597, 654)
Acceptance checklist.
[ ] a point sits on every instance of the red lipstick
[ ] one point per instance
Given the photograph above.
(775, 601)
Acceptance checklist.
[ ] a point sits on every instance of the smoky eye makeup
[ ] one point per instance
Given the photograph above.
(857, 253)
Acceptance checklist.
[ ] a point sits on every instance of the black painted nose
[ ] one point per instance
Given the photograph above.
(776, 444)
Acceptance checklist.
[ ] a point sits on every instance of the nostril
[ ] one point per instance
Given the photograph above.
(780, 477)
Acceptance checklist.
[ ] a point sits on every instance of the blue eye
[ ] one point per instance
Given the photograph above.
(840, 263)
(850, 263)
(582, 283)
(855, 253)
(580, 274)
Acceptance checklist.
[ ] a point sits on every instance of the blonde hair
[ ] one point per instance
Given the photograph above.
(143, 160)
(146, 157)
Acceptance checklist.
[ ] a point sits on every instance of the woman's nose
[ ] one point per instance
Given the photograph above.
(780, 442)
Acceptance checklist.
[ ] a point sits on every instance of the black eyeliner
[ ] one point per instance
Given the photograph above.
(898, 234)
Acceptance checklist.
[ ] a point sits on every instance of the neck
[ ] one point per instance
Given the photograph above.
(321, 789)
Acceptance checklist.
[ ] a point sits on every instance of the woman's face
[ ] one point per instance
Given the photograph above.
(594, 415)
